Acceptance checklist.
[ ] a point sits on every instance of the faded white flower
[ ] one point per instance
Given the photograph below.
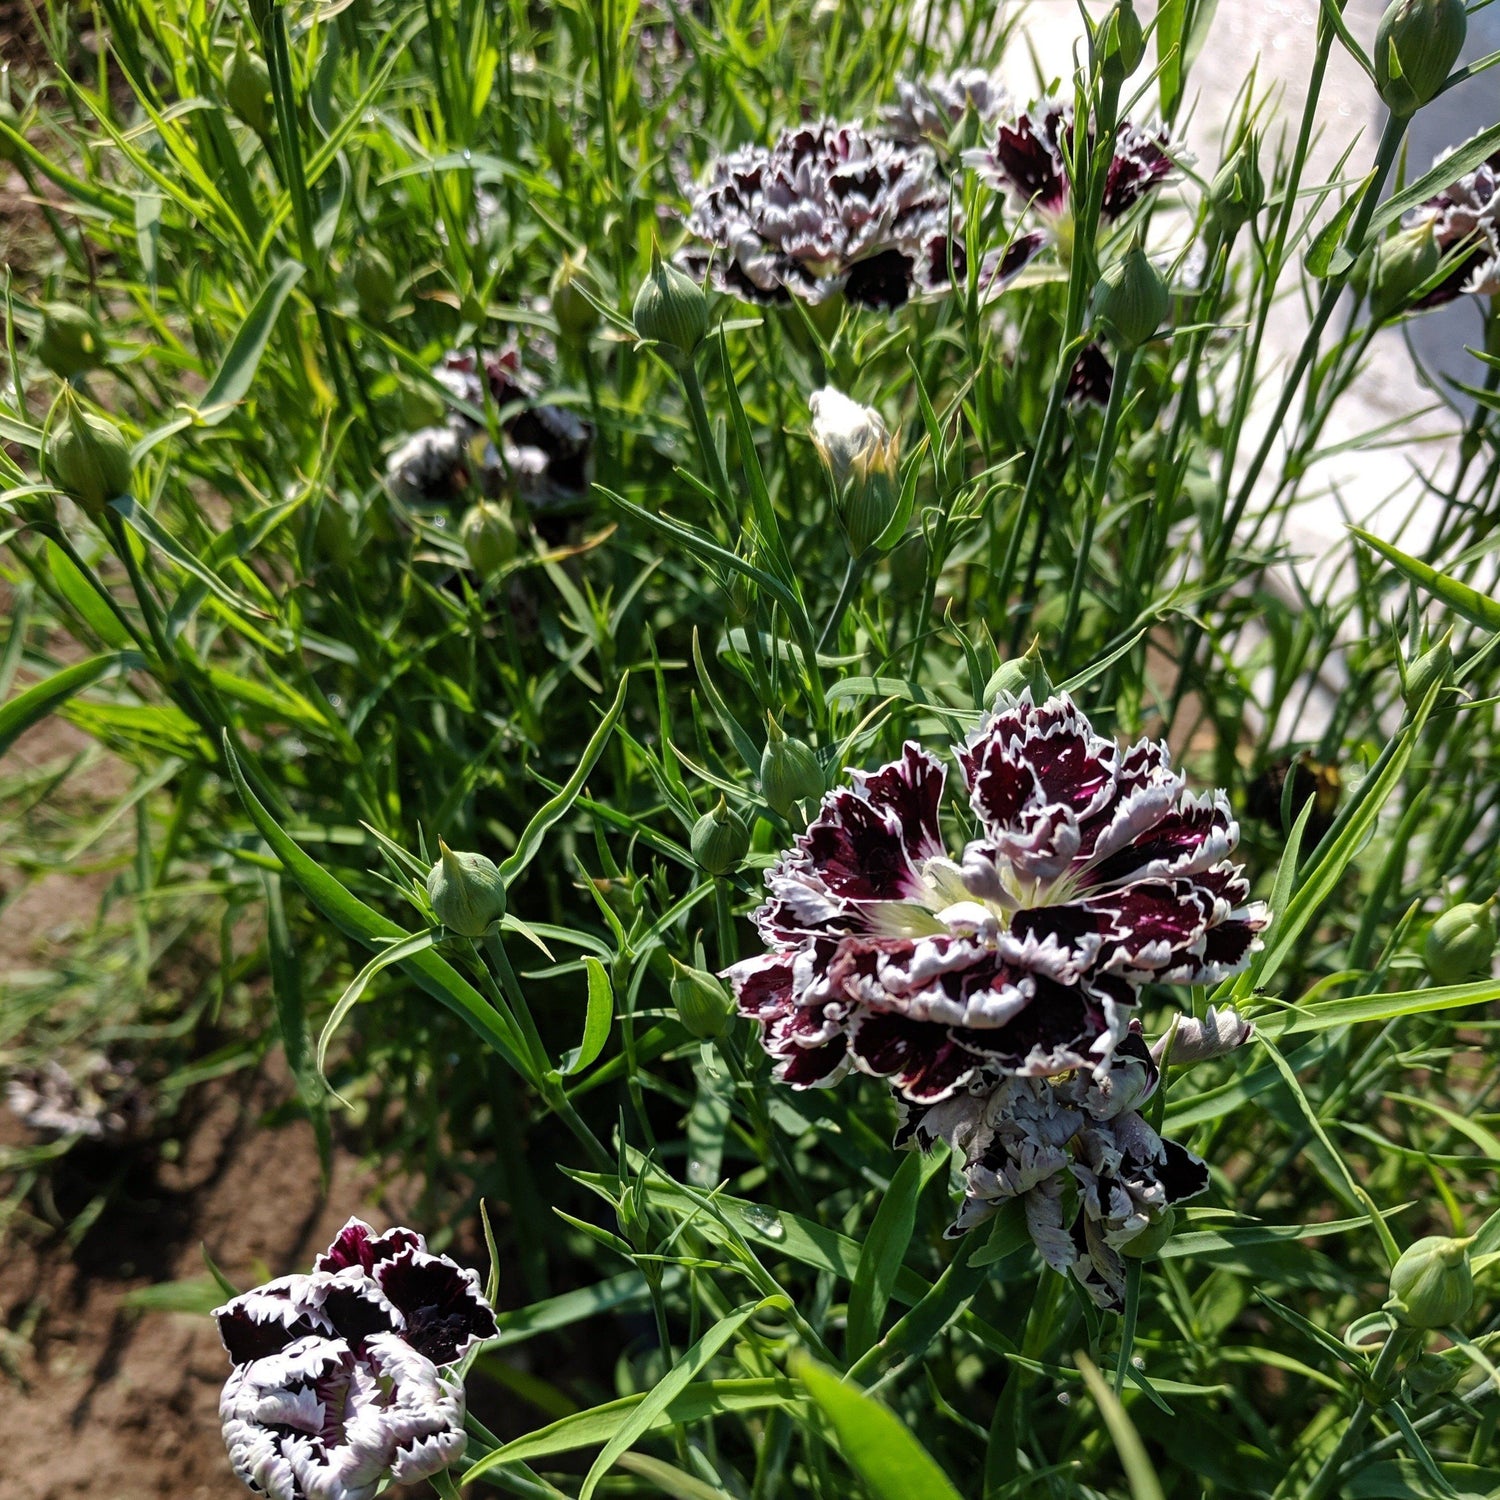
(927, 109)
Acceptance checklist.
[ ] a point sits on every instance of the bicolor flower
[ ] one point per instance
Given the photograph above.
(339, 1381)
(1466, 219)
(928, 109)
(828, 208)
(1094, 871)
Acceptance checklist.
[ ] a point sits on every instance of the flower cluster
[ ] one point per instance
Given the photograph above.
(545, 455)
(1092, 1177)
(99, 1098)
(927, 109)
(338, 1382)
(1465, 220)
(1095, 871)
(828, 208)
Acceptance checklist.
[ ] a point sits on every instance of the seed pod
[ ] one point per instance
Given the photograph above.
(489, 537)
(84, 455)
(71, 340)
(789, 770)
(466, 892)
(576, 316)
(700, 1001)
(1432, 1284)
(1400, 267)
(670, 311)
(720, 840)
(1460, 945)
(1433, 666)
(374, 280)
(247, 89)
(1149, 1241)
(1416, 46)
(1238, 191)
(861, 457)
(1131, 299)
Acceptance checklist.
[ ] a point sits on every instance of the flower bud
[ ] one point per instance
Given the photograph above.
(489, 537)
(1432, 1285)
(700, 1001)
(466, 892)
(1019, 673)
(1150, 1240)
(1416, 46)
(861, 456)
(1238, 191)
(670, 311)
(85, 456)
(1123, 43)
(374, 280)
(71, 340)
(576, 316)
(1131, 299)
(720, 840)
(789, 770)
(1460, 945)
(1433, 1374)
(1400, 267)
(1432, 666)
(247, 89)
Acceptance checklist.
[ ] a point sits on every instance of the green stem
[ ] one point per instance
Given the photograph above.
(853, 575)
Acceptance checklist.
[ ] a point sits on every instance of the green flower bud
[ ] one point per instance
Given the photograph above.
(720, 840)
(1416, 46)
(1400, 267)
(247, 89)
(1122, 43)
(576, 316)
(1432, 1285)
(489, 537)
(1460, 945)
(466, 892)
(1238, 191)
(789, 770)
(1131, 299)
(1433, 666)
(374, 280)
(1432, 1374)
(1019, 673)
(670, 311)
(861, 456)
(84, 455)
(1149, 1241)
(71, 340)
(700, 1001)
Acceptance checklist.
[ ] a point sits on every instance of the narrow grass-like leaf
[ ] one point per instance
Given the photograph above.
(597, 1019)
(241, 360)
(42, 698)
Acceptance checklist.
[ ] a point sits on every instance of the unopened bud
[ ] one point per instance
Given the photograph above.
(576, 316)
(466, 892)
(1151, 1239)
(1131, 299)
(489, 537)
(1460, 945)
(1416, 46)
(1123, 43)
(1400, 267)
(1238, 191)
(85, 456)
(1018, 674)
(1432, 1284)
(71, 340)
(700, 1001)
(789, 770)
(1433, 666)
(671, 311)
(720, 840)
(861, 456)
(247, 88)
(1219, 1032)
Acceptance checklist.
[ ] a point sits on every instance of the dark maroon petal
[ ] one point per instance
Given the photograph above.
(1002, 266)
(811, 1067)
(356, 1311)
(440, 1302)
(859, 851)
(763, 986)
(912, 789)
(1000, 784)
(882, 281)
(1139, 166)
(1195, 835)
(1227, 946)
(1180, 1173)
(1060, 1020)
(1027, 156)
(919, 1058)
(357, 1244)
(1091, 378)
(265, 1321)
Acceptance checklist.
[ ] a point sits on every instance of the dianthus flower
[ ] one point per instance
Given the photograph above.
(827, 208)
(927, 109)
(1091, 1176)
(1095, 871)
(338, 1381)
(1465, 218)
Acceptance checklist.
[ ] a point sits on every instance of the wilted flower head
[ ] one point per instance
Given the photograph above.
(828, 208)
(337, 1383)
(861, 456)
(1095, 871)
(1091, 1175)
(1029, 158)
(927, 109)
(1466, 220)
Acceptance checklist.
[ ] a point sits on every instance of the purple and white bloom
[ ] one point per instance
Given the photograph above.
(928, 109)
(828, 208)
(1029, 159)
(432, 467)
(1094, 871)
(1465, 218)
(1091, 1175)
(338, 1379)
